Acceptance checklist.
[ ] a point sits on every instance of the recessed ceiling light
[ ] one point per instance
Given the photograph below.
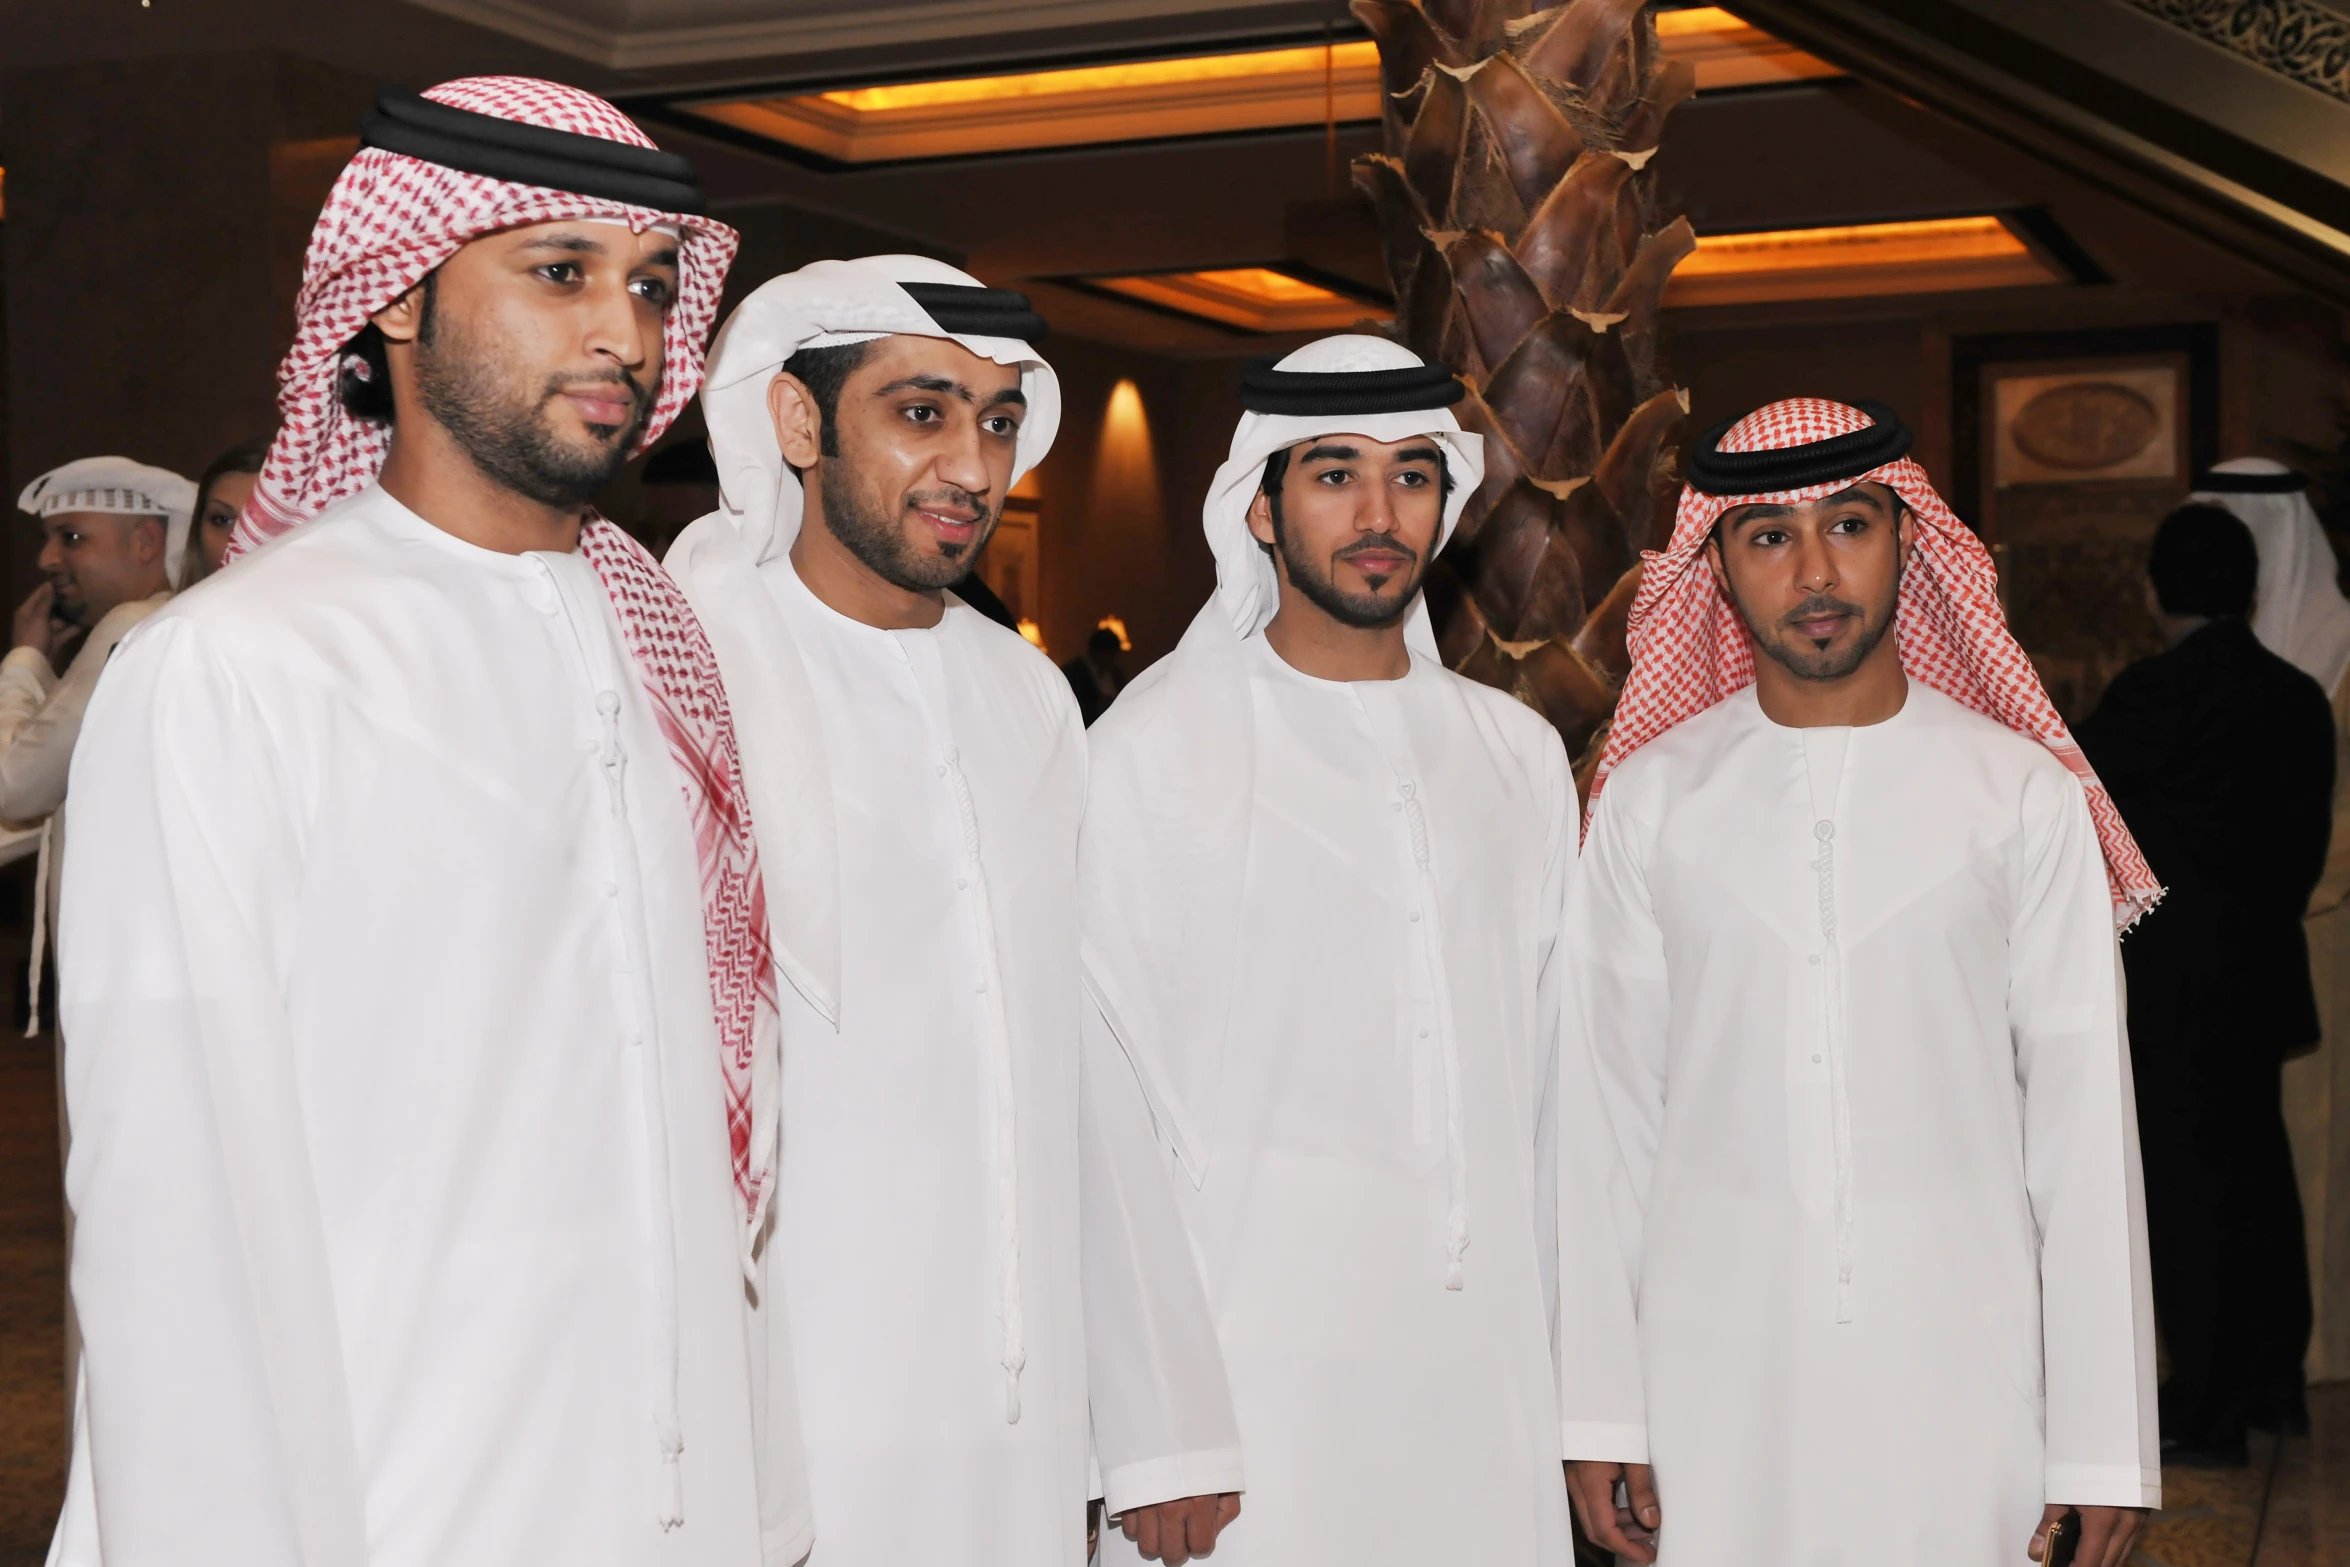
(1928, 256)
(1251, 299)
(1149, 100)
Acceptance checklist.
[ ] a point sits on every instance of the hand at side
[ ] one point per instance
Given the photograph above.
(2107, 1533)
(1629, 1531)
(1174, 1532)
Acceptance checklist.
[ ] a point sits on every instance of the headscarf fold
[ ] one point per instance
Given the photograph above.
(124, 488)
(2298, 609)
(1690, 648)
(391, 219)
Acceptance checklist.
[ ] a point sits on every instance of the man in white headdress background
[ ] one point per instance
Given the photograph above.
(2300, 614)
(413, 964)
(868, 418)
(113, 538)
(1323, 879)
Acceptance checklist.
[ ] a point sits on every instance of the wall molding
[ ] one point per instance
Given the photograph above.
(852, 27)
(2298, 39)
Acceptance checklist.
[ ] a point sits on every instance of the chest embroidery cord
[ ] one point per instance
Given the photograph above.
(1832, 1024)
(1007, 1151)
(661, 1239)
(1456, 1140)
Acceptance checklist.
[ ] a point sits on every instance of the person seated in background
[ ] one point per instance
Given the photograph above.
(2220, 755)
(1096, 678)
(221, 493)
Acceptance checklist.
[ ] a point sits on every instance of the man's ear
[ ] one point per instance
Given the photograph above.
(147, 539)
(799, 423)
(1260, 517)
(403, 318)
(1713, 560)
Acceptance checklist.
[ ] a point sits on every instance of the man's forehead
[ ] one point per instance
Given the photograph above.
(911, 353)
(605, 236)
(1882, 496)
(1363, 445)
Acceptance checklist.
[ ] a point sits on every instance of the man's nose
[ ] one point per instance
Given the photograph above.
(962, 462)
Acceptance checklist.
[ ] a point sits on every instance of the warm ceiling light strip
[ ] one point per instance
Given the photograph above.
(1194, 95)
(1929, 256)
(1254, 299)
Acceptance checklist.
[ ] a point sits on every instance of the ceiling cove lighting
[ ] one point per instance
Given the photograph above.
(1148, 100)
(1930, 256)
(1251, 299)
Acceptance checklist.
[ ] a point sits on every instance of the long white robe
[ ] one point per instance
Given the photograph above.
(404, 1195)
(1393, 1010)
(957, 775)
(1852, 1002)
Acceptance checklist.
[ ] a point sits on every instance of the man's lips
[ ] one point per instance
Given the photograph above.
(1819, 628)
(951, 527)
(1377, 563)
(600, 406)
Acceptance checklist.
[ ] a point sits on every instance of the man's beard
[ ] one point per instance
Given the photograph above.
(1800, 658)
(1364, 611)
(509, 438)
(878, 538)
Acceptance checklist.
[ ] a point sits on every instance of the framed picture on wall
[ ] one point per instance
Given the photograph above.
(2069, 447)
(1009, 564)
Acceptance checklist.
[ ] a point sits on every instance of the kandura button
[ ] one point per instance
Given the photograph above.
(1815, 1060)
(611, 889)
(1423, 1033)
(942, 772)
(962, 884)
(1814, 958)
(1415, 914)
(982, 987)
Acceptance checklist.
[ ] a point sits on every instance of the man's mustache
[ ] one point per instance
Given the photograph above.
(1378, 541)
(949, 502)
(637, 395)
(1821, 604)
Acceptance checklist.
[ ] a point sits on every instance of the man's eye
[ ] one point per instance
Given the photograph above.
(1848, 525)
(653, 290)
(1770, 538)
(1002, 424)
(1334, 476)
(560, 272)
(923, 413)
(1411, 481)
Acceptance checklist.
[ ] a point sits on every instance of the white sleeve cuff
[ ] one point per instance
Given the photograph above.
(33, 664)
(1587, 1441)
(1209, 1473)
(2104, 1485)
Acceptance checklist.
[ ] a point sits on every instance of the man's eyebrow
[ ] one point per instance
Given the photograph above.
(1010, 394)
(569, 243)
(945, 384)
(1857, 492)
(1333, 452)
(1418, 454)
(1755, 512)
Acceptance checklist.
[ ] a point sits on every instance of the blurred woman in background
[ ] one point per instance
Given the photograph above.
(220, 495)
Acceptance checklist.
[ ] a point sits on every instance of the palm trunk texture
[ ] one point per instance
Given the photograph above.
(1518, 215)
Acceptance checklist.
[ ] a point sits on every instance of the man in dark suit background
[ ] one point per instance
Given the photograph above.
(2221, 757)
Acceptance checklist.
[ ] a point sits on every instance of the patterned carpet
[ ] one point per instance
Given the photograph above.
(2290, 1509)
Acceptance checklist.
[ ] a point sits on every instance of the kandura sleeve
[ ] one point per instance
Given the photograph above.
(26, 680)
(2067, 1016)
(1163, 1425)
(1550, 990)
(218, 1425)
(2334, 886)
(1614, 1014)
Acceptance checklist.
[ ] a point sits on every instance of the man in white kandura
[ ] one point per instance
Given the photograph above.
(114, 535)
(412, 951)
(868, 418)
(1854, 1253)
(1323, 880)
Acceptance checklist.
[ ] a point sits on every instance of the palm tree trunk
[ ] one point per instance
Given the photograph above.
(1519, 220)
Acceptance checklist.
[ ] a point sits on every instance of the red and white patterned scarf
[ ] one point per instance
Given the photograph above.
(389, 221)
(1690, 648)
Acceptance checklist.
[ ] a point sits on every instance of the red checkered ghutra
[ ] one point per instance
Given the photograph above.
(1691, 650)
(390, 220)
